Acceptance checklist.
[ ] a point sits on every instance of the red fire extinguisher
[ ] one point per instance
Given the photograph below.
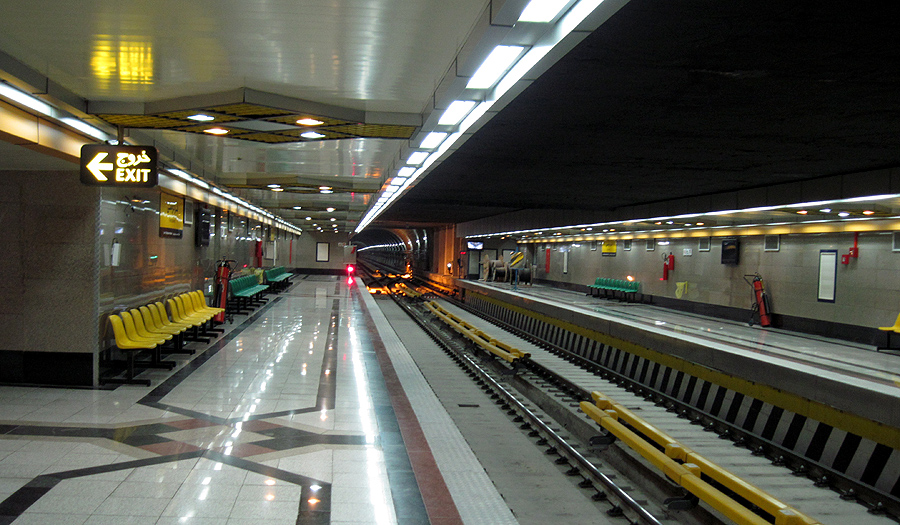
(668, 266)
(223, 274)
(761, 306)
(258, 253)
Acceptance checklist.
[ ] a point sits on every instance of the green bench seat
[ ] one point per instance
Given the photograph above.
(607, 287)
(278, 277)
(246, 291)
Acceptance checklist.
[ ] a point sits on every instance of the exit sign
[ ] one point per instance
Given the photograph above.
(125, 166)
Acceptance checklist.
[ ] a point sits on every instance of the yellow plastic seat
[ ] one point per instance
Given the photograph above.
(151, 324)
(158, 310)
(131, 331)
(130, 347)
(200, 303)
(890, 330)
(121, 336)
(895, 328)
(187, 307)
(142, 330)
(187, 303)
(178, 314)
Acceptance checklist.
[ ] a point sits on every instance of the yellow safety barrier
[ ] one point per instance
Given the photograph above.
(409, 292)
(498, 348)
(608, 414)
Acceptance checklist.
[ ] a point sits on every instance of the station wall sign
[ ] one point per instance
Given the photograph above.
(122, 166)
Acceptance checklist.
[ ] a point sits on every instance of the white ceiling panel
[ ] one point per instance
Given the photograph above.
(374, 55)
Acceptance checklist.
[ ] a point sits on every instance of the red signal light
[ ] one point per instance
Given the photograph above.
(350, 269)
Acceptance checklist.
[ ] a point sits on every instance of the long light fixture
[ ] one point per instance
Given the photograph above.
(542, 11)
(701, 225)
(85, 128)
(417, 157)
(433, 140)
(494, 66)
(455, 112)
(26, 100)
(499, 72)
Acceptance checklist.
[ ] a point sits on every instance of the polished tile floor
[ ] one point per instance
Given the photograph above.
(284, 419)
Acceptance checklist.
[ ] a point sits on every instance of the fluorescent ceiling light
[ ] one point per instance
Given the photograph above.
(542, 11)
(406, 172)
(309, 122)
(277, 189)
(25, 99)
(417, 158)
(216, 131)
(433, 140)
(494, 66)
(397, 181)
(312, 135)
(326, 191)
(199, 117)
(456, 112)
(85, 128)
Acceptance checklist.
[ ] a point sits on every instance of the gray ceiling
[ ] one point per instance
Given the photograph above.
(684, 98)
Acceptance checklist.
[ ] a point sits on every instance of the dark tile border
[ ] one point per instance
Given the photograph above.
(417, 484)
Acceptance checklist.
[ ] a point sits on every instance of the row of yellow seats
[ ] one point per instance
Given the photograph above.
(149, 326)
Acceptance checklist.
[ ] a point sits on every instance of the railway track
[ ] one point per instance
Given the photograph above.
(558, 382)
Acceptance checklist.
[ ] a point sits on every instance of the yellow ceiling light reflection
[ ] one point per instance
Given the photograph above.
(128, 64)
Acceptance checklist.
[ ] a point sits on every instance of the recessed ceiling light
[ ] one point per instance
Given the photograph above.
(417, 157)
(868, 212)
(199, 117)
(825, 210)
(298, 207)
(455, 112)
(326, 191)
(333, 219)
(844, 214)
(406, 172)
(329, 210)
(216, 131)
(494, 66)
(277, 189)
(802, 212)
(309, 218)
(274, 185)
(312, 135)
(700, 223)
(542, 11)
(309, 122)
(324, 187)
(433, 140)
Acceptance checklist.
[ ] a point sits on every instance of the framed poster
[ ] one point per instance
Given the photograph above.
(827, 275)
(608, 249)
(171, 216)
(322, 252)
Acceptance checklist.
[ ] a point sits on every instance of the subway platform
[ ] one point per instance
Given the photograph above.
(830, 401)
(309, 410)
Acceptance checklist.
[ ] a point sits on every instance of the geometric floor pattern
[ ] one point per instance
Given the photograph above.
(277, 421)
